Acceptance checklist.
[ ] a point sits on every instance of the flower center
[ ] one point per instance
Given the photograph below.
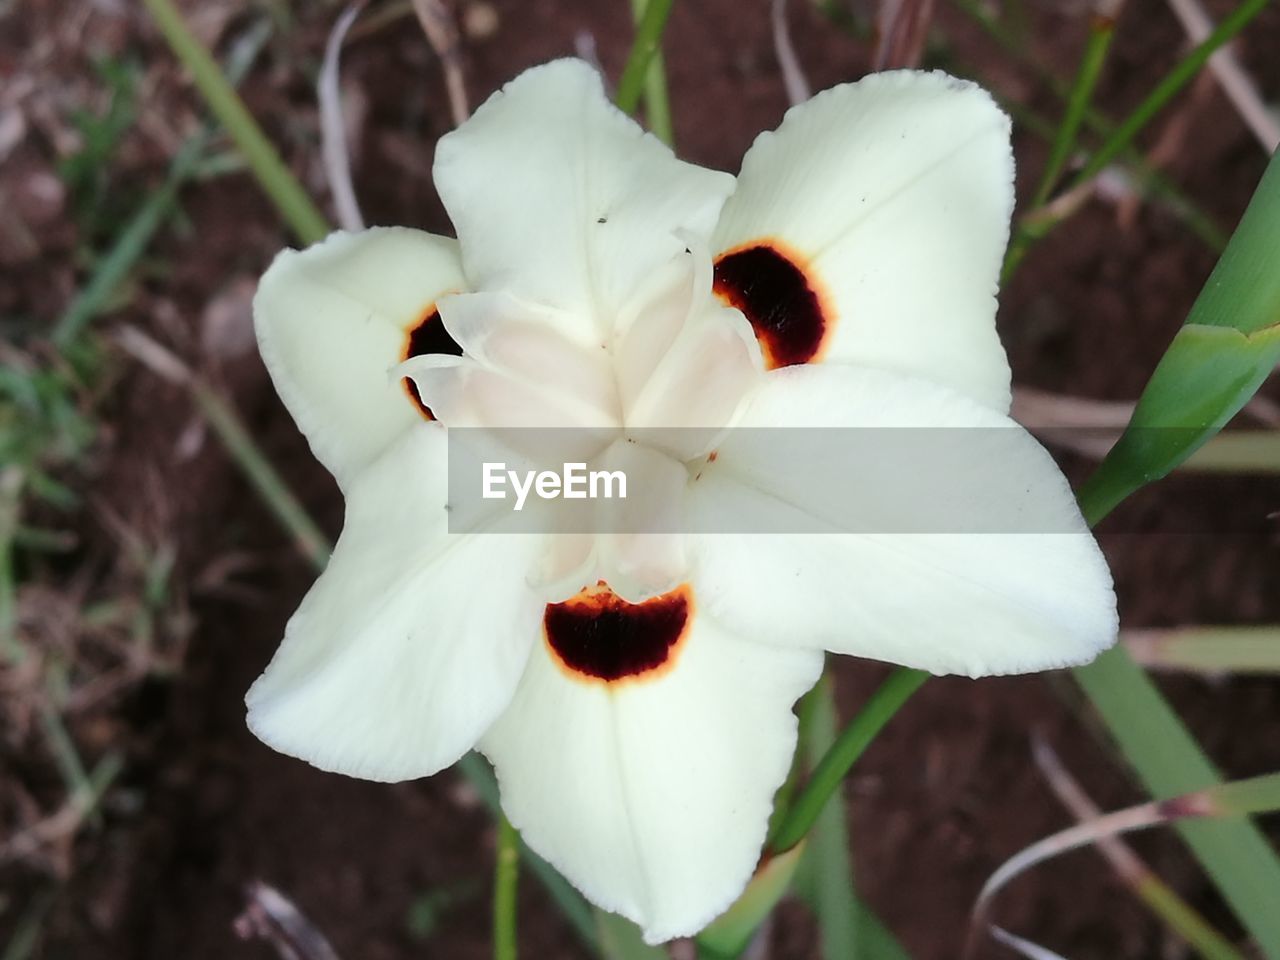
(597, 636)
(779, 301)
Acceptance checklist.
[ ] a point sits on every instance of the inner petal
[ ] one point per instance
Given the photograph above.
(783, 304)
(698, 388)
(428, 335)
(597, 636)
(520, 368)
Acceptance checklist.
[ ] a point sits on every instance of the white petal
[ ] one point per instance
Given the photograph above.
(653, 320)
(334, 319)
(560, 198)
(969, 554)
(683, 362)
(640, 550)
(522, 342)
(894, 194)
(700, 384)
(652, 795)
(411, 642)
(533, 413)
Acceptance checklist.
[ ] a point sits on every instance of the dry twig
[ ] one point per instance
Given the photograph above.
(793, 78)
(902, 26)
(333, 131)
(270, 915)
(442, 33)
(1235, 82)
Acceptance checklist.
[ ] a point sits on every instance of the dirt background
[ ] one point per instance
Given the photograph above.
(392, 872)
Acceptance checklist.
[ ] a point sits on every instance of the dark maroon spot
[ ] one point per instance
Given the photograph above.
(429, 336)
(599, 635)
(774, 294)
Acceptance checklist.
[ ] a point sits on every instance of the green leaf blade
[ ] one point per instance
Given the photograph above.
(1208, 373)
(1229, 345)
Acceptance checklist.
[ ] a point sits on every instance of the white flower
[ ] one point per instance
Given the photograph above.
(636, 699)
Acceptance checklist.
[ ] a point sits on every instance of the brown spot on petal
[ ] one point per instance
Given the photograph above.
(428, 335)
(782, 303)
(596, 635)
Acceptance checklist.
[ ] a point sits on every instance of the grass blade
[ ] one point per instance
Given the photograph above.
(730, 934)
(1145, 884)
(235, 438)
(1167, 759)
(1024, 948)
(1177, 78)
(1238, 451)
(1102, 30)
(127, 249)
(1147, 179)
(848, 927)
(11, 482)
(1236, 799)
(657, 106)
(26, 932)
(1208, 373)
(645, 51)
(829, 865)
(291, 200)
(1228, 346)
(820, 863)
(620, 939)
(1039, 222)
(1190, 925)
(1208, 650)
(133, 241)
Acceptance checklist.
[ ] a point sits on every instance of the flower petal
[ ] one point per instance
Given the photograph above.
(411, 642)
(869, 228)
(522, 343)
(334, 319)
(700, 384)
(560, 198)
(652, 793)
(640, 551)
(683, 363)
(968, 553)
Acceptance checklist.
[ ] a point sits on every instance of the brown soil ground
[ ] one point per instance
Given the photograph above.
(938, 802)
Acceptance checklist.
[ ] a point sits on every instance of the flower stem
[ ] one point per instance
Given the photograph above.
(644, 73)
(853, 740)
(575, 909)
(280, 185)
(505, 875)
